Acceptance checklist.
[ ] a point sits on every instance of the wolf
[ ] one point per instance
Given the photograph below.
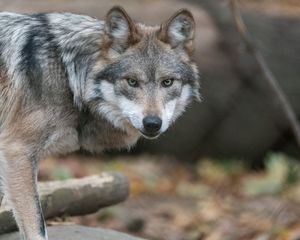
(71, 82)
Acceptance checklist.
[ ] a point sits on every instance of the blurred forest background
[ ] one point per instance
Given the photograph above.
(229, 168)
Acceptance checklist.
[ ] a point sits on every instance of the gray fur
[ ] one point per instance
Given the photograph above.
(64, 87)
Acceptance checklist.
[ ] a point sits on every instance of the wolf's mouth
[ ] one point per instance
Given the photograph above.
(150, 135)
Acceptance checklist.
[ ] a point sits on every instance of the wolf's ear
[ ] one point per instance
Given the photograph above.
(178, 30)
(121, 29)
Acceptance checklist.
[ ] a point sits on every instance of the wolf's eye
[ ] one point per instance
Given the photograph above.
(167, 82)
(132, 82)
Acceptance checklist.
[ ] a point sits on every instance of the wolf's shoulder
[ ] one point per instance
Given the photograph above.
(11, 15)
(73, 22)
(16, 29)
(8, 19)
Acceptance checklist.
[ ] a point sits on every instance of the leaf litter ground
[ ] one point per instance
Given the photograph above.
(212, 200)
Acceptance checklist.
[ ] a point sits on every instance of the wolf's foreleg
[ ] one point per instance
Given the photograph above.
(19, 174)
(1, 197)
(1, 179)
(1, 187)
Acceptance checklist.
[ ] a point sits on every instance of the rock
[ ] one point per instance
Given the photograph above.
(75, 232)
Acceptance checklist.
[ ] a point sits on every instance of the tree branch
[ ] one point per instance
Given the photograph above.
(267, 73)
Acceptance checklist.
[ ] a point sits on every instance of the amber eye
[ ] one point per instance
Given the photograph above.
(132, 82)
(167, 82)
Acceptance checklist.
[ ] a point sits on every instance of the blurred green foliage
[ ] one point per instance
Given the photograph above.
(61, 173)
(281, 172)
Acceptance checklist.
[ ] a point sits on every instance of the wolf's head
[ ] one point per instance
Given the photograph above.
(145, 77)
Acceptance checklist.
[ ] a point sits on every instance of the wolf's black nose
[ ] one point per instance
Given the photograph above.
(152, 124)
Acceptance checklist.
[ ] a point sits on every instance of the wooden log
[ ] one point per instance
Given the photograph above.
(74, 197)
(78, 233)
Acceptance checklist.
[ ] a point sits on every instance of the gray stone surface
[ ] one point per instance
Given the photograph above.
(75, 232)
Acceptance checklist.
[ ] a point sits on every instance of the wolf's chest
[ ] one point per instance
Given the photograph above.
(96, 136)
